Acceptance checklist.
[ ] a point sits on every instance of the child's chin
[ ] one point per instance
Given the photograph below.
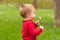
(33, 18)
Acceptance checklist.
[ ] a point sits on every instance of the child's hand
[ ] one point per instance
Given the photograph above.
(37, 22)
(42, 27)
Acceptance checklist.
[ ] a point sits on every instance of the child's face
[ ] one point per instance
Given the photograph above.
(32, 15)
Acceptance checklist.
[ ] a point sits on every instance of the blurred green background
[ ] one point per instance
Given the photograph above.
(40, 3)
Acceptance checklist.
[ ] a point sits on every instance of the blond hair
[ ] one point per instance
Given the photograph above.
(25, 8)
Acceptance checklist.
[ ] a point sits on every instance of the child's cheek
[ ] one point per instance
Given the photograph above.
(34, 16)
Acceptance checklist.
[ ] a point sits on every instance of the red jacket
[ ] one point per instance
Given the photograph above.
(29, 31)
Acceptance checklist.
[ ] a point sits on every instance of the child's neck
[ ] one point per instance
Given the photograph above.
(26, 19)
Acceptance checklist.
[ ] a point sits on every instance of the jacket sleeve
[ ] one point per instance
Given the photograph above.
(33, 31)
(36, 25)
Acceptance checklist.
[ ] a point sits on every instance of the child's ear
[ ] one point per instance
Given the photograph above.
(27, 14)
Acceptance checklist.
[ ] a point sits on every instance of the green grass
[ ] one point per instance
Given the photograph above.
(11, 21)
